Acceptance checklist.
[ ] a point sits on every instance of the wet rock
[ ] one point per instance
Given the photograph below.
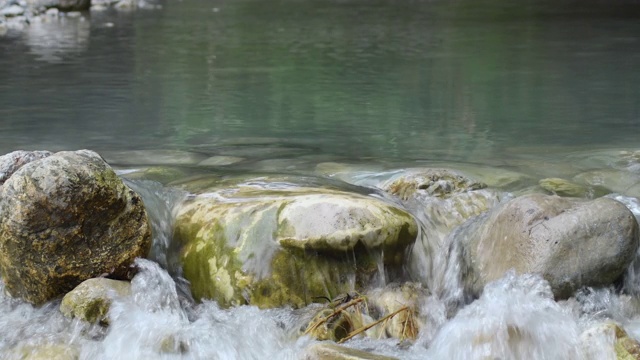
(439, 183)
(623, 182)
(329, 351)
(64, 219)
(12, 10)
(597, 339)
(220, 160)
(445, 197)
(562, 187)
(271, 245)
(571, 242)
(45, 352)
(329, 324)
(90, 301)
(161, 174)
(153, 157)
(386, 301)
(13, 161)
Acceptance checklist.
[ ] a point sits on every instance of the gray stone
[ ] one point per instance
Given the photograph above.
(64, 219)
(13, 161)
(570, 242)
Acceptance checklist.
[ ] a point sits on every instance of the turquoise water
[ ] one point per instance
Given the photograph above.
(435, 80)
(352, 92)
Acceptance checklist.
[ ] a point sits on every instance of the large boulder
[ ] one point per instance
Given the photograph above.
(64, 219)
(273, 244)
(570, 242)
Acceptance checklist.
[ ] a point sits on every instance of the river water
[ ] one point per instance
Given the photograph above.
(546, 88)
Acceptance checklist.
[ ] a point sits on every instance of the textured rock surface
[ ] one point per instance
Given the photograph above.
(275, 245)
(64, 219)
(90, 301)
(571, 242)
(13, 161)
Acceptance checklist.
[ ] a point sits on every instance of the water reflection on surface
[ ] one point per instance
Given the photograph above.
(429, 80)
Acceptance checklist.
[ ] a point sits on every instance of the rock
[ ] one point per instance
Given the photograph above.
(64, 219)
(53, 12)
(13, 161)
(328, 324)
(73, 5)
(406, 324)
(439, 183)
(271, 245)
(562, 187)
(161, 174)
(90, 301)
(625, 347)
(152, 157)
(623, 182)
(571, 242)
(445, 197)
(45, 352)
(12, 10)
(220, 160)
(329, 351)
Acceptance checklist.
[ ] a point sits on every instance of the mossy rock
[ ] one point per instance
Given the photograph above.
(90, 301)
(441, 183)
(625, 347)
(273, 247)
(562, 187)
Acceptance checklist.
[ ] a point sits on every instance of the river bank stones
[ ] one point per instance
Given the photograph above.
(570, 242)
(273, 244)
(64, 219)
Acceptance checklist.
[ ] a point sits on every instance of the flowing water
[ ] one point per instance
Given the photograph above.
(344, 91)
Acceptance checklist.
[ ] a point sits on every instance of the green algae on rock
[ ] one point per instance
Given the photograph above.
(64, 219)
(562, 187)
(274, 245)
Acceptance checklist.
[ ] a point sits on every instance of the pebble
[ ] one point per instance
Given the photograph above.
(98, 7)
(74, 14)
(53, 12)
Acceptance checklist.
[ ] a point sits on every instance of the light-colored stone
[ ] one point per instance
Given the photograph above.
(90, 301)
(220, 160)
(571, 242)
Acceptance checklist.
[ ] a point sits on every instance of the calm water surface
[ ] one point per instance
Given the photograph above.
(434, 80)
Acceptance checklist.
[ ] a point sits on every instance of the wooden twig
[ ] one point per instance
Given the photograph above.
(335, 312)
(365, 328)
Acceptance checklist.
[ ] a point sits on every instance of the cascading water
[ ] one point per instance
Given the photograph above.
(516, 317)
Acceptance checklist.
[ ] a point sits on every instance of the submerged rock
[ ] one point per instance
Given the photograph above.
(153, 157)
(90, 301)
(439, 183)
(273, 244)
(329, 351)
(623, 182)
(562, 187)
(571, 242)
(64, 219)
